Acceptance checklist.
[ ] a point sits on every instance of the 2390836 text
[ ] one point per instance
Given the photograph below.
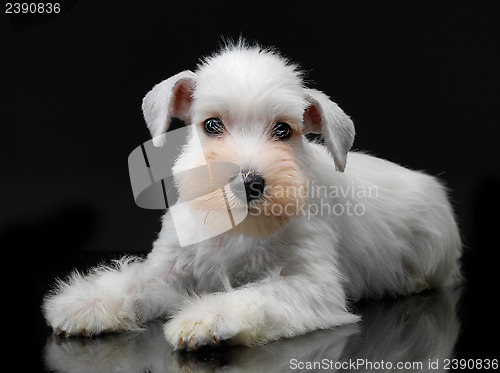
(32, 8)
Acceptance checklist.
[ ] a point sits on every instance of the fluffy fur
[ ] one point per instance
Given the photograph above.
(331, 226)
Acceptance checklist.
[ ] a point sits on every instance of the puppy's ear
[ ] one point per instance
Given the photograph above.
(324, 116)
(171, 98)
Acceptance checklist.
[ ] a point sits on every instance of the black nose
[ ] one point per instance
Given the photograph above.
(254, 185)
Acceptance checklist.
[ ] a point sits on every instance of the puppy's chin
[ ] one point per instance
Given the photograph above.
(260, 218)
(271, 214)
(260, 226)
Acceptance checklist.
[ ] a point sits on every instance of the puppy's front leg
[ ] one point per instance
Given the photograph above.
(260, 312)
(110, 299)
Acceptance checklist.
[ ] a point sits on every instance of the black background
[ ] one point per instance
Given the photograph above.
(420, 80)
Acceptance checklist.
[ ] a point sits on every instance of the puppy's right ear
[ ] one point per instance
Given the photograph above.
(169, 99)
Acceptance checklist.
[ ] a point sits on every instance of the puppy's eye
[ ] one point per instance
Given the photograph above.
(213, 126)
(282, 131)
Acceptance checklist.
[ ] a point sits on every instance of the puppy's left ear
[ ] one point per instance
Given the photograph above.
(169, 99)
(326, 117)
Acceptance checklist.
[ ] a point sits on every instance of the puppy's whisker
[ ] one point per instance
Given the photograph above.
(206, 217)
(211, 197)
(271, 199)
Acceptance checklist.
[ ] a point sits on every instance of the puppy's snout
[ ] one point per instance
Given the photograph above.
(253, 183)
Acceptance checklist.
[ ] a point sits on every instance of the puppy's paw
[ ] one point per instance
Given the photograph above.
(194, 328)
(80, 307)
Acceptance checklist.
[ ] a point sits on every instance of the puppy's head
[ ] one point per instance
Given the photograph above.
(249, 107)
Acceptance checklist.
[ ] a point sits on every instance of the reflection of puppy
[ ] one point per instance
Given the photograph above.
(317, 231)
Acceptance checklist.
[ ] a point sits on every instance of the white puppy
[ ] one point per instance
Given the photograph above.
(324, 226)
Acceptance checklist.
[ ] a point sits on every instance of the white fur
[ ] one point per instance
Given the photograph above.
(253, 289)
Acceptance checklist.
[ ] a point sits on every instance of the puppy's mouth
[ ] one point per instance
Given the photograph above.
(270, 201)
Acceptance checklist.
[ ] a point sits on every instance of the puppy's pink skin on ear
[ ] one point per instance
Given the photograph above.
(169, 99)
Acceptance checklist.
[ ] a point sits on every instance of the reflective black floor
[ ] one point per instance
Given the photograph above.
(424, 332)
(419, 332)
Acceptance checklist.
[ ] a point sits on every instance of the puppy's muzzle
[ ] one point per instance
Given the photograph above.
(253, 183)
